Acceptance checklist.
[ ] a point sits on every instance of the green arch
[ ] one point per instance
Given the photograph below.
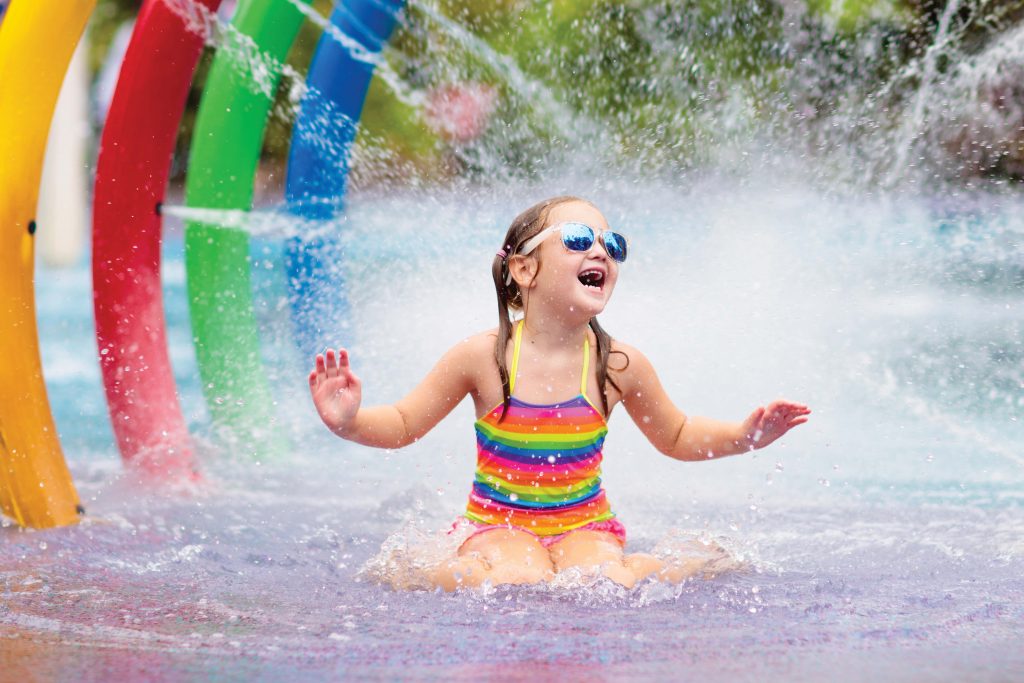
(226, 144)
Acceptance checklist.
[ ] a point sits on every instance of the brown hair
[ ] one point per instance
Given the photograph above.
(524, 226)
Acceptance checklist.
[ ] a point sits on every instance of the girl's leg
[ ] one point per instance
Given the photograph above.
(460, 571)
(697, 558)
(643, 565)
(599, 551)
(498, 556)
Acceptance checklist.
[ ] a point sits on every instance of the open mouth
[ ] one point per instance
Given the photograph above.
(593, 279)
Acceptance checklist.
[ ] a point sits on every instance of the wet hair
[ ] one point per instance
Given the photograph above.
(524, 226)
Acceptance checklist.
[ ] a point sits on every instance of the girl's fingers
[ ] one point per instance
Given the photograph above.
(782, 403)
(343, 363)
(786, 411)
(312, 379)
(755, 417)
(346, 367)
(332, 366)
(321, 368)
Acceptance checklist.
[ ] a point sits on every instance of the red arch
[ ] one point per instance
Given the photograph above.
(131, 177)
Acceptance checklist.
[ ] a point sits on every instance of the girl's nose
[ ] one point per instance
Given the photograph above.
(598, 249)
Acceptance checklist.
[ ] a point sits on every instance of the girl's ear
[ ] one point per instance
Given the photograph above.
(523, 269)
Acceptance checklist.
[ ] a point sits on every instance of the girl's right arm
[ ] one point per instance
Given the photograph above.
(337, 394)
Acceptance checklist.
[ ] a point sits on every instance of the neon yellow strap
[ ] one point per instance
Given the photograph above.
(586, 366)
(515, 358)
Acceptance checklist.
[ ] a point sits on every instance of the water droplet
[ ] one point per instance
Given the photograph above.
(779, 467)
(513, 497)
(42, 545)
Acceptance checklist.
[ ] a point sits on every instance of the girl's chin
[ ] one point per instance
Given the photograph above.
(590, 303)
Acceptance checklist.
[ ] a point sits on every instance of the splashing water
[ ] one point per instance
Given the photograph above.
(882, 539)
(911, 553)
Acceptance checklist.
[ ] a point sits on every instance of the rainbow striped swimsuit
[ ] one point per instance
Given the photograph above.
(540, 469)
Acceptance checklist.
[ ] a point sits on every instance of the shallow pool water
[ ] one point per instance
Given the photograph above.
(885, 538)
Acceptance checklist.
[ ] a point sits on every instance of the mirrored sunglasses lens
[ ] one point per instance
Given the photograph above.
(577, 237)
(616, 245)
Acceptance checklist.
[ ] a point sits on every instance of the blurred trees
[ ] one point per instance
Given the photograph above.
(658, 83)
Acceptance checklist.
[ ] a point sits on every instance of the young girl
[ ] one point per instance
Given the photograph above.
(537, 506)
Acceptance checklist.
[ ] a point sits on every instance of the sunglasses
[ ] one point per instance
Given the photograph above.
(580, 237)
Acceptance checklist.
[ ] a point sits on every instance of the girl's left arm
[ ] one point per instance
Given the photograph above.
(696, 438)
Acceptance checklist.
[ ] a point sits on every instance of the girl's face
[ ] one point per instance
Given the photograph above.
(560, 275)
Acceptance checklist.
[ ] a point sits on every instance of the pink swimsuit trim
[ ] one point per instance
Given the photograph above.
(611, 526)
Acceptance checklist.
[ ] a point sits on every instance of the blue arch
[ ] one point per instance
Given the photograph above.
(318, 165)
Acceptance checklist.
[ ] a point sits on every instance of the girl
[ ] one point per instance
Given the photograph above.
(537, 506)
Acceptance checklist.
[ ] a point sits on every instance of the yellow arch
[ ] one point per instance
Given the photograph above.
(37, 38)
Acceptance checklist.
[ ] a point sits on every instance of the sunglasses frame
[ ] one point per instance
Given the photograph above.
(535, 241)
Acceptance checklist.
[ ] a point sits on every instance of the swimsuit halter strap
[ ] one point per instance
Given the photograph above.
(515, 361)
(586, 366)
(515, 358)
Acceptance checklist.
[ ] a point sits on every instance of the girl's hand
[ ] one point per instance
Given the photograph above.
(765, 425)
(336, 391)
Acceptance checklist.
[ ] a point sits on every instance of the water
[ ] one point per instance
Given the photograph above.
(882, 539)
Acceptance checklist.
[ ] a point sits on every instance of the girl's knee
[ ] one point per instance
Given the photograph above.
(510, 556)
(586, 549)
(500, 542)
(521, 574)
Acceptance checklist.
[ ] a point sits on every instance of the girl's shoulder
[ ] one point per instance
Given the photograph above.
(483, 340)
(476, 348)
(628, 366)
(621, 356)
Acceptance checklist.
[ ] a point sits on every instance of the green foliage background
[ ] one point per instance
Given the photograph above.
(651, 73)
